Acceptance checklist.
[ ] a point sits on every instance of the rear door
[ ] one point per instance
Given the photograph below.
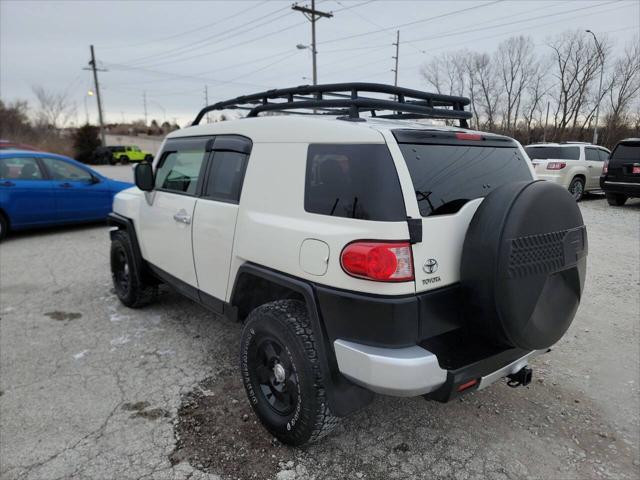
(451, 174)
(26, 194)
(166, 214)
(624, 163)
(79, 196)
(594, 167)
(214, 219)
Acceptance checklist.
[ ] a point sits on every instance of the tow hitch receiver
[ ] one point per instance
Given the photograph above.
(521, 377)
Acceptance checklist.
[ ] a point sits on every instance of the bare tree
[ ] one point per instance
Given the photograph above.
(54, 109)
(485, 80)
(578, 63)
(516, 65)
(625, 84)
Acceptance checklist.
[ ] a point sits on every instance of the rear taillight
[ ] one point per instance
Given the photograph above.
(379, 261)
(556, 165)
(635, 170)
(605, 167)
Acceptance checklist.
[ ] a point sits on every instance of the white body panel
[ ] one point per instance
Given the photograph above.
(166, 242)
(213, 231)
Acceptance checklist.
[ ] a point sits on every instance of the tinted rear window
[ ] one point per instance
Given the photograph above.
(445, 177)
(624, 152)
(353, 181)
(556, 153)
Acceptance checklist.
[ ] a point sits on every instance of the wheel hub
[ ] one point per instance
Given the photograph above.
(279, 372)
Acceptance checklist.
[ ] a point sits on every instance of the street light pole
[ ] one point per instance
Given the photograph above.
(601, 56)
(313, 15)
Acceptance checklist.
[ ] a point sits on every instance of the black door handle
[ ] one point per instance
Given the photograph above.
(66, 185)
(8, 184)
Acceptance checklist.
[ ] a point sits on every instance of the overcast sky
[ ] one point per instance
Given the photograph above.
(172, 49)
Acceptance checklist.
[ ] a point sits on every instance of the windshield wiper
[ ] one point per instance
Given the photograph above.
(425, 196)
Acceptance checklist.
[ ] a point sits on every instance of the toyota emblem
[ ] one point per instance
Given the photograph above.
(430, 266)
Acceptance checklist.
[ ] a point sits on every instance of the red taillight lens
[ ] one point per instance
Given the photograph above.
(468, 136)
(635, 170)
(605, 167)
(556, 165)
(380, 261)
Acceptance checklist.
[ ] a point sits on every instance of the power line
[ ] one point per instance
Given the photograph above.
(202, 43)
(186, 32)
(423, 20)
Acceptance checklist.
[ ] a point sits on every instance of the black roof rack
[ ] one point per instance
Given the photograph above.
(345, 99)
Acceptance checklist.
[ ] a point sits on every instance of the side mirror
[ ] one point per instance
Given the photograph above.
(143, 174)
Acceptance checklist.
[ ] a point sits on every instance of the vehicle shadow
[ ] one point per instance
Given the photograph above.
(17, 235)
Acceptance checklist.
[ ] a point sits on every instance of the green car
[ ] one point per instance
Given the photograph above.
(128, 153)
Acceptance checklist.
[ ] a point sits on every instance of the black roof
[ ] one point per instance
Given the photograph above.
(346, 99)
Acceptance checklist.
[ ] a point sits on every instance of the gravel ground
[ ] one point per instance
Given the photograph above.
(92, 390)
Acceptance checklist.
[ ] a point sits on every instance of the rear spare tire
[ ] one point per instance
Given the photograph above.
(524, 264)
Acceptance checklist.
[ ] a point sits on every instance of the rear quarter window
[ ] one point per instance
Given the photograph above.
(353, 181)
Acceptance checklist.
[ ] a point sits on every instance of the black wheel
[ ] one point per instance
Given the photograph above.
(616, 199)
(148, 158)
(131, 290)
(281, 373)
(124, 159)
(4, 226)
(576, 188)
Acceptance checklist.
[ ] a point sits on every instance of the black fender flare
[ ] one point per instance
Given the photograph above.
(123, 223)
(343, 396)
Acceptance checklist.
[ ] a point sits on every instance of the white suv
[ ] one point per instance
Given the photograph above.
(362, 254)
(573, 165)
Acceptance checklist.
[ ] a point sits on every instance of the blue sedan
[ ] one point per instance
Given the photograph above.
(41, 189)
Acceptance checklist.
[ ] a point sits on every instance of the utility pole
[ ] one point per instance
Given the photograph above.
(601, 56)
(395, 70)
(95, 69)
(313, 15)
(206, 100)
(144, 103)
(546, 122)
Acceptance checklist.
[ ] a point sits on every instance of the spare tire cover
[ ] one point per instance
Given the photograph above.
(524, 264)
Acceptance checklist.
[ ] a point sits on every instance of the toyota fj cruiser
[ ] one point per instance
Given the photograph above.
(363, 253)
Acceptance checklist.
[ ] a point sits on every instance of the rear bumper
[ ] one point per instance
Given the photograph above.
(413, 371)
(560, 178)
(630, 189)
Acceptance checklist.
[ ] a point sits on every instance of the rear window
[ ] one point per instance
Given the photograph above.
(626, 152)
(556, 153)
(445, 177)
(353, 181)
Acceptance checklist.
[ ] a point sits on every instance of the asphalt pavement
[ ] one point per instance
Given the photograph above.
(92, 390)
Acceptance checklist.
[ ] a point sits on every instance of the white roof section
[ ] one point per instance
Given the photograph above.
(306, 129)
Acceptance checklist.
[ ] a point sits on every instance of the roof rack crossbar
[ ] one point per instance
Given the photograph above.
(346, 98)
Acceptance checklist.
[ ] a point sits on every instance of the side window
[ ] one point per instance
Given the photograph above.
(604, 155)
(20, 169)
(61, 170)
(353, 181)
(591, 154)
(225, 177)
(181, 166)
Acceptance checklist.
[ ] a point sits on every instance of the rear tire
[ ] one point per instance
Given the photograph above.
(131, 290)
(124, 159)
(576, 188)
(281, 373)
(616, 199)
(4, 226)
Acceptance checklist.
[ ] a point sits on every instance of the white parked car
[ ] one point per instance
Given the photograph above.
(362, 253)
(575, 166)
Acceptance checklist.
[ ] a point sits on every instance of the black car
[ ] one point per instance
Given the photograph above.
(620, 177)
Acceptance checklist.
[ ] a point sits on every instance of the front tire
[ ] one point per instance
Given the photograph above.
(576, 188)
(616, 199)
(4, 226)
(131, 290)
(281, 373)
